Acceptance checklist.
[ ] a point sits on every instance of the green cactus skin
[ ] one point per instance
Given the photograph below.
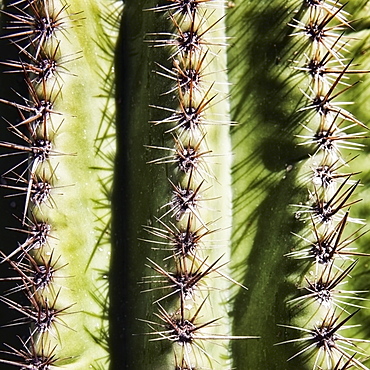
(259, 170)
(138, 25)
(79, 165)
(268, 168)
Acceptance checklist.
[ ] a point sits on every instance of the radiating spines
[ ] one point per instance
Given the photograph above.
(325, 342)
(186, 279)
(328, 141)
(190, 36)
(327, 208)
(323, 70)
(331, 7)
(49, 65)
(183, 240)
(30, 357)
(40, 312)
(325, 287)
(187, 72)
(189, 156)
(40, 46)
(34, 32)
(333, 134)
(326, 176)
(33, 275)
(320, 29)
(187, 223)
(35, 23)
(38, 234)
(186, 8)
(328, 244)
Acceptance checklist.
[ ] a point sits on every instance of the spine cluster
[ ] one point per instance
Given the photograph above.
(33, 29)
(57, 164)
(190, 313)
(331, 132)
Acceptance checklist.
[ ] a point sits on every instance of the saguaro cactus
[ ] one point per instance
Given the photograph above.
(66, 146)
(189, 189)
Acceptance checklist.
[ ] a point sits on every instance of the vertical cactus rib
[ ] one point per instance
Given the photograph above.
(274, 181)
(200, 185)
(67, 143)
(322, 57)
(184, 301)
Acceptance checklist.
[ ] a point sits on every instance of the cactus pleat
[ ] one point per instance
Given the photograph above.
(194, 222)
(59, 300)
(296, 123)
(328, 241)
